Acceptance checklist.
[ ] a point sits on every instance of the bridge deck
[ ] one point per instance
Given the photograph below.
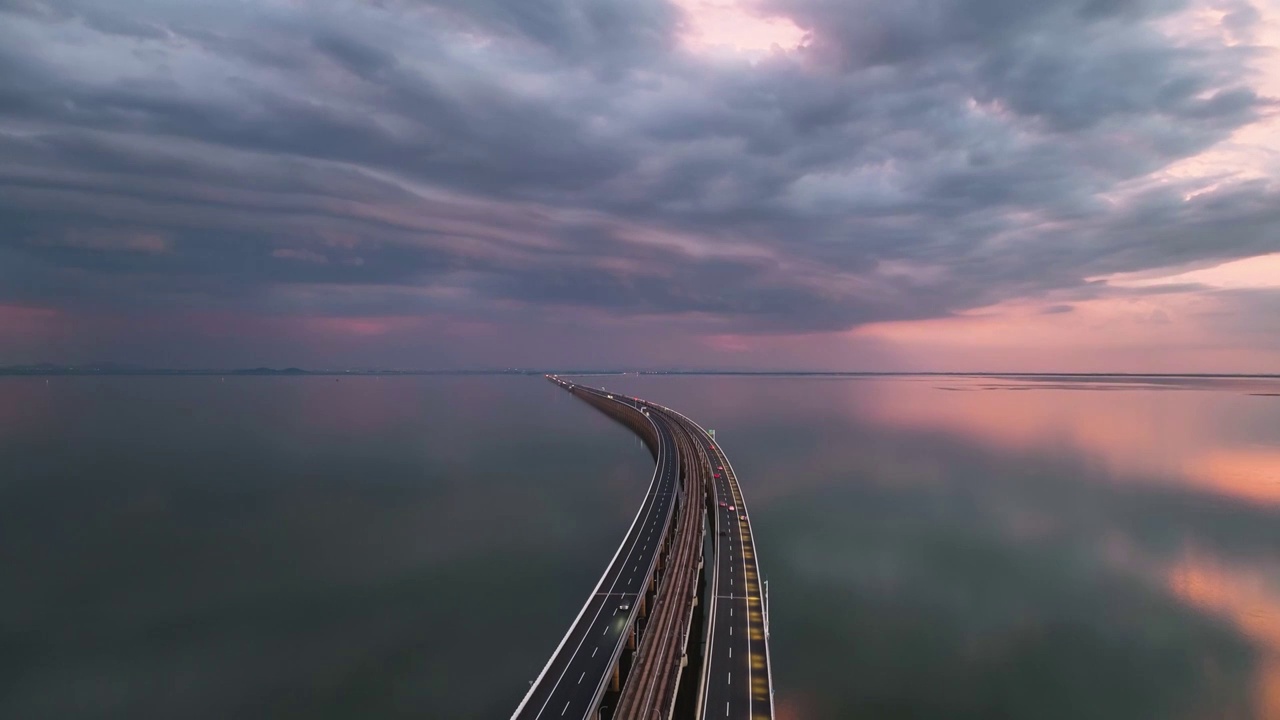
(736, 679)
(574, 679)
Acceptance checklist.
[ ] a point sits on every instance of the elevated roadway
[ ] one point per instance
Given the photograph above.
(632, 640)
(586, 662)
(737, 679)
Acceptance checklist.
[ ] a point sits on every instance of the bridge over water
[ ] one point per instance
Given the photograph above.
(677, 626)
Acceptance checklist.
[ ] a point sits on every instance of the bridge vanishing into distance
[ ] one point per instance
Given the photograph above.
(678, 625)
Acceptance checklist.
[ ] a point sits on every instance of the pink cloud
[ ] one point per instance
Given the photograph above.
(358, 326)
(25, 320)
(736, 26)
(300, 255)
(1180, 331)
(151, 243)
(729, 343)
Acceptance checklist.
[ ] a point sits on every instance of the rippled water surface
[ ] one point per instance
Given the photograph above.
(415, 547)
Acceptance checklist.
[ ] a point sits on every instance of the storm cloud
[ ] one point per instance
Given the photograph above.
(497, 161)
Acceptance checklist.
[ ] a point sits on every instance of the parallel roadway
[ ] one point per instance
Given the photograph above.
(578, 673)
(736, 674)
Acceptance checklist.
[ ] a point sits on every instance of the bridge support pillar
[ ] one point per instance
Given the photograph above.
(615, 682)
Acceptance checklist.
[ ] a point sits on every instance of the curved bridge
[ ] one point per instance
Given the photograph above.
(677, 627)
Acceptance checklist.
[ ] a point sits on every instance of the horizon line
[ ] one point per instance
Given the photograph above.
(105, 368)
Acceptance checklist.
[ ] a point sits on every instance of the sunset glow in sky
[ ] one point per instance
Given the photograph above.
(1071, 185)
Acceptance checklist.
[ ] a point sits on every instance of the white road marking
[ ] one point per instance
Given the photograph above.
(593, 652)
(584, 674)
(566, 707)
(584, 609)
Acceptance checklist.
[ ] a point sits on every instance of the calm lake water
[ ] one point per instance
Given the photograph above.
(415, 547)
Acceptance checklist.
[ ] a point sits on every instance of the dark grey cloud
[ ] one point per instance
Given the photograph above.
(608, 36)
(864, 32)
(912, 160)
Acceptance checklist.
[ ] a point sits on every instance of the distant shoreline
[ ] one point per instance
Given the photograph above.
(50, 370)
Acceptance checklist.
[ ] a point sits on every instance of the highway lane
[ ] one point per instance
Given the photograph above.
(736, 681)
(579, 670)
(653, 684)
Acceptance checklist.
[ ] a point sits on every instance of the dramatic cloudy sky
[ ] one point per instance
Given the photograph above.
(855, 184)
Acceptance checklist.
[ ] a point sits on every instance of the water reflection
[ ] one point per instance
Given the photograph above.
(297, 547)
(1249, 599)
(936, 548)
(976, 548)
(1207, 436)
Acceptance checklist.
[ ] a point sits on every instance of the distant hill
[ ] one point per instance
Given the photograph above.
(109, 368)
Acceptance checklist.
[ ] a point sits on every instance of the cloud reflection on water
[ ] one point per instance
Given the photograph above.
(1019, 549)
(1064, 550)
